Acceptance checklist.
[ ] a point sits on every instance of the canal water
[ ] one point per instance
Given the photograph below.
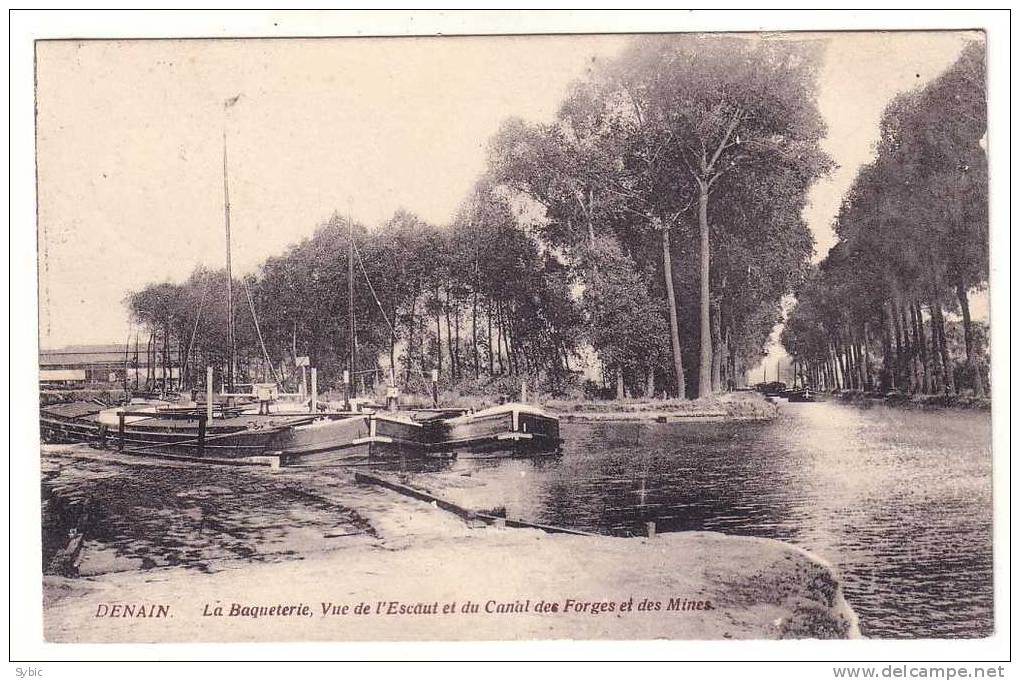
(898, 500)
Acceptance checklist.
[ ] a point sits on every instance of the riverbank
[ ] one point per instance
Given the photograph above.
(919, 401)
(738, 406)
(730, 406)
(405, 551)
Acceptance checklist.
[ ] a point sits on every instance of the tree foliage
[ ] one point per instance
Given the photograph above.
(913, 243)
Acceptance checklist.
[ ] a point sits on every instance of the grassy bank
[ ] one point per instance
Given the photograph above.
(101, 394)
(732, 405)
(486, 393)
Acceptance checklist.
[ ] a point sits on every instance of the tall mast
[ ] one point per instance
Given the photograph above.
(230, 296)
(230, 279)
(136, 359)
(350, 294)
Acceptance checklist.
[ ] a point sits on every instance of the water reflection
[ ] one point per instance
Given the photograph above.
(898, 500)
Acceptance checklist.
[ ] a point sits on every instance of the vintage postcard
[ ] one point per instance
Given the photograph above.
(624, 336)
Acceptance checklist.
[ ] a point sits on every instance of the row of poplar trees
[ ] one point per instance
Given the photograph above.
(889, 307)
(656, 221)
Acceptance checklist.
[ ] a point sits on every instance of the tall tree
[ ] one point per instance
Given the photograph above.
(726, 107)
(913, 239)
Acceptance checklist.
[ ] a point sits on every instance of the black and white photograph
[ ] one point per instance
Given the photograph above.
(679, 335)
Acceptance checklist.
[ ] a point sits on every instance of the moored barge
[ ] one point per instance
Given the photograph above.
(166, 430)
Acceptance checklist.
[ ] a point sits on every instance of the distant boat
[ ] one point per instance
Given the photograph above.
(773, 389)
(801, 395)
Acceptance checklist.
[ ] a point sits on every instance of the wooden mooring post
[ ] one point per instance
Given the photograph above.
(120, 431)
(208, 393)
(202, 422)
(315, 390)
(347, 390)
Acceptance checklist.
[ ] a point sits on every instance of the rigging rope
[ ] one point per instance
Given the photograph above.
(254, 318)
(198, 317)
(370, 288)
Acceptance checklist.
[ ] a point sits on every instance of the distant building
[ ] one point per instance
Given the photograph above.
(98, 364)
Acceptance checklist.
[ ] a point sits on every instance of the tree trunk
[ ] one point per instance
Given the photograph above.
(909, 350)
(293, 343)
(439, 337)
(896, 369)
(507, 343)
(136, 360)
(449, 339)
(850, 365)
(717, 352)
(843, 368)
(499, 337)
(846, 365)
(650, 382)
(729, 378)
(938, 369)
(977, 381)
(474, 331)
(163, 359)
(620, 393)
(488, 315)
(422, 345)
(504, 344)
(181, 361)
(920, 351)
(916, 351)
(705, 365)
(837, 369)
(927, 356)
(862, 359)
(674, 326)
(887, 351)
(888, 376)
(939, 332)
(456, 338)
(512, 349)
(840, 361)
(393, 347)
(410, 339)
(827, 371)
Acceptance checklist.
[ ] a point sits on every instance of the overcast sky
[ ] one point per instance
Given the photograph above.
(130, 143)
